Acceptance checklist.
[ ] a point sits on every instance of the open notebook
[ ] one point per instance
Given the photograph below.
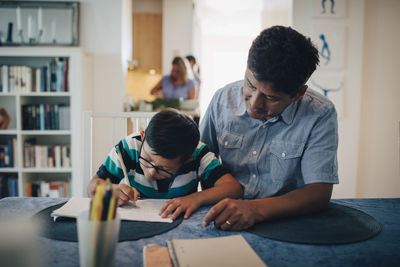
(144, 210)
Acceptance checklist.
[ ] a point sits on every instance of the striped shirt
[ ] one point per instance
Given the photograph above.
(205, 168)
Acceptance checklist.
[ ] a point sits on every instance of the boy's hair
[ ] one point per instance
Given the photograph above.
(284, 58)
(172, 134)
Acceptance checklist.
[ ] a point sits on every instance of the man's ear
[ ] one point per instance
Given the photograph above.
(300, 93)
(142, 134)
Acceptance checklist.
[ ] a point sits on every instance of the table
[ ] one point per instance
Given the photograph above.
(382, 250)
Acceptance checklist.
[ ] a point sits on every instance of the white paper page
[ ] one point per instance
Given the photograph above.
(73, 207)
(145, 210)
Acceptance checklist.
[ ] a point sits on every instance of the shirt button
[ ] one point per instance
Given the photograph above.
(226, 143)
(254, 176)
(264, 126)
(254, 152)
(283, 154)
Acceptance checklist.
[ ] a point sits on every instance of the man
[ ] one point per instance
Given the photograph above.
(278, 138)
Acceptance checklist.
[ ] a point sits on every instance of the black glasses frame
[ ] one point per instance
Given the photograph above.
(159, 170)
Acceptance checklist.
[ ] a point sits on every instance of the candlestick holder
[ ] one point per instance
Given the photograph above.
(21, 36)
(31, 23)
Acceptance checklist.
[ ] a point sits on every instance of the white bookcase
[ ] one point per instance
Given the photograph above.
(72, 137)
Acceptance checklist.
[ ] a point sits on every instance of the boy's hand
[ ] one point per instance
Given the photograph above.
(176, 206)
(124, 193)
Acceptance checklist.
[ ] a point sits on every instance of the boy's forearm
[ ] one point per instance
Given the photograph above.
(225, 187)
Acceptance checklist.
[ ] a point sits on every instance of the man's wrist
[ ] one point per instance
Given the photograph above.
(258, 210)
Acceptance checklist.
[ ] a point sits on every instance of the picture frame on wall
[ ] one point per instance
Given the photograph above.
(39, 23)
(331, 43)
(329, 8)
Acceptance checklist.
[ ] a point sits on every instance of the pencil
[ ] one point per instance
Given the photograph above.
(97, 205)
(124, 170)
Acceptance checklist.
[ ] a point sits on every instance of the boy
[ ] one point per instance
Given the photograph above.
(168, 161)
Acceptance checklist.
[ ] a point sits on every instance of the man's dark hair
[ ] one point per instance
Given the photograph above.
(284, 58)
(172, 134)
(191, 58)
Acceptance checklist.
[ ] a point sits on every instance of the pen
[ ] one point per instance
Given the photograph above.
(124, 170)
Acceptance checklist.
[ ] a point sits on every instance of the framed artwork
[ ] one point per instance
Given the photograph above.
(330, 85)
(331, 43)
(329, 8)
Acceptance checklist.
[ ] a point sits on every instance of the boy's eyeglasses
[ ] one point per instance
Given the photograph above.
(160, 171)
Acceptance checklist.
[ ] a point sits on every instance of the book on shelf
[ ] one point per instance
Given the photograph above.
(54, 189)
(12, 186)
(4, 78)
(8, 153)
(46, 156)
(8, 185)
(51, 77)
(45, 117)
(3, 186)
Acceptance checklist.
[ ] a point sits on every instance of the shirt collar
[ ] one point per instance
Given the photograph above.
(288, 114)
(241, 108)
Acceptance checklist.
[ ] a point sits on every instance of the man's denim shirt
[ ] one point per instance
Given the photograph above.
(273, 157)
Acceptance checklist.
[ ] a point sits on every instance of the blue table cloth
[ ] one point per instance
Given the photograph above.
(382, 250)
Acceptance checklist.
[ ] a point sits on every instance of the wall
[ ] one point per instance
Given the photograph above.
(225, 32)
(102, 39)
(105, 39)
(147, 6)
(349, 124)
(378, 169)
(177, 31)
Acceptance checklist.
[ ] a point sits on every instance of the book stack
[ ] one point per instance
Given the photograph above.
(45, 117)
(52, 77)
(8, 186)
(47, 189)
(8, 157)
(46, 156)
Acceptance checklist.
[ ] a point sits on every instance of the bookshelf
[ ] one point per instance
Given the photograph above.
(45, 119)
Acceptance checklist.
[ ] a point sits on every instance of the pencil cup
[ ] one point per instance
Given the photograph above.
(97, 240)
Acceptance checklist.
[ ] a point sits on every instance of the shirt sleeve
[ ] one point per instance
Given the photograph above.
(112, 168)
(319, 161)
(210, 168)
(207, 129)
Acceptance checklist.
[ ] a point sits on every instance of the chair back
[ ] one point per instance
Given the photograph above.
(102, 131)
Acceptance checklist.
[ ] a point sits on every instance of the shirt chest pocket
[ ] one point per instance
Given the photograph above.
(285, 161)
(286, 151)
(230, 141)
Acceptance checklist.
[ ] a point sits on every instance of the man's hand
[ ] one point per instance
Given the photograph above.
(124, 193)
(232, 215)
(235, 215)
(176, 206)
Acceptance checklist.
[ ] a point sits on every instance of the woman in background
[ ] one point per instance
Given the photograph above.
(177, 84)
